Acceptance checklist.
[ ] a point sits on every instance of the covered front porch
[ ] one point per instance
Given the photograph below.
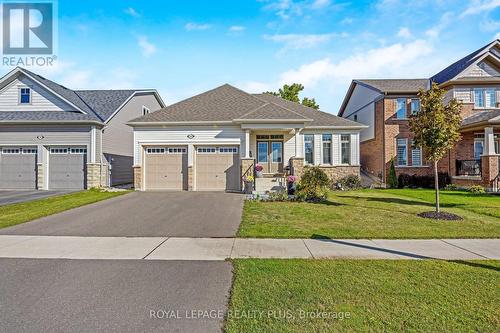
(476, 158)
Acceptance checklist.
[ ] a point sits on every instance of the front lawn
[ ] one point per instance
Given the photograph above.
(371, 296)
(374, 214)
(27, 211)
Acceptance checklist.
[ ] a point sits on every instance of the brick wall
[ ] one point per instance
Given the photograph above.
(371, 151)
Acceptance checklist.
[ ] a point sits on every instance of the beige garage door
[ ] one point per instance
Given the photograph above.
(165, 168)
(217, 168)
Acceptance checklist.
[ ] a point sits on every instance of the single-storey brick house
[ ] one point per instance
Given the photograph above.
(210, 141)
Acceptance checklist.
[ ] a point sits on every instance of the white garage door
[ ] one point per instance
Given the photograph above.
(18, 168)
(67, 168)
(217, 169)
(165, 168)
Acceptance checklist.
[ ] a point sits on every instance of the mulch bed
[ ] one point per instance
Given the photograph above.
(440, 216)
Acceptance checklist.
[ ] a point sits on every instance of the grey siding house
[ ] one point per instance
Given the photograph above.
(53, 137)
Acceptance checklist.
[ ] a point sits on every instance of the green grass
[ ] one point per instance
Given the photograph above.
(27, 211)
(374, 214)
(379, 296)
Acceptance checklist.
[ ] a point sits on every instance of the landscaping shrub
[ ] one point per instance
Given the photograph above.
(313, 185)
(451, 187)
(278, 196)
(414, 181)
(350, 182)
(477, 189)
(393, 180)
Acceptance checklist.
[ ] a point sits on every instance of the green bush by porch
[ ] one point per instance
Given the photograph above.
(374, 214)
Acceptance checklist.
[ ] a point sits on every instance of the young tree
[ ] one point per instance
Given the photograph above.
(291, 93)
(436, 128)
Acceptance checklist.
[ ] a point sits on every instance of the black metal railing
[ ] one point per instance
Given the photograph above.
(468, 167)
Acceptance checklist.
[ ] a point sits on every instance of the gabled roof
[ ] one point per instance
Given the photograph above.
(395, 86)
(95, 105)
(459, 66)
(227, 104)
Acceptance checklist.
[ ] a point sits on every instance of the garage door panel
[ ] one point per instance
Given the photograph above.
(166, 170)
(18, 170)
(217, 171)
(67, 170)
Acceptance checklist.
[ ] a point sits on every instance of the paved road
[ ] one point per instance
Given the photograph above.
(16, 196)
(55, 295)
(145, 214)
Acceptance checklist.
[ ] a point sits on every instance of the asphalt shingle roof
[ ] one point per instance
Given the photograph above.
(104, 102)
(227, 103)
(481, 117)
(396, 85)
(51, 116)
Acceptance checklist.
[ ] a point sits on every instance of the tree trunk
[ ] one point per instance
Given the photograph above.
(436, 185)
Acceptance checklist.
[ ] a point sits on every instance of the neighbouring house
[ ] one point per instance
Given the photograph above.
(384, 105)
(213, 140)
(53, 137)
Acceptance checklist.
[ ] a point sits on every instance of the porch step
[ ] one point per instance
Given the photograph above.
(267, 185)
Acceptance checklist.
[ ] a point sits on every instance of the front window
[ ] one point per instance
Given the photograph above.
(415, 106)
(485, 97)
(416, 156)
(327, 149)
(345, 149)
(25, 96)
(309, 148)
(145, 110)
(401, 108)
(401, 152)
(478, 149)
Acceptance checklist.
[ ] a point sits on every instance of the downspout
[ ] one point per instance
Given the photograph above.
(384, 179)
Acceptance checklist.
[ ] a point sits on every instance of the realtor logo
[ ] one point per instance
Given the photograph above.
(27, 28)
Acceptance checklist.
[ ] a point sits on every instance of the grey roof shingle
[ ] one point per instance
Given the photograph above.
(396, 85)
(104, 102)
(319, 118)
(454, 69)
(227, 103)
(42, 116)
(481, 117)
(99, 105)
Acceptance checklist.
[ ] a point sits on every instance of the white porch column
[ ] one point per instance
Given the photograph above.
(489, 142)
(298, 151)
(190, 156)
(247, 143)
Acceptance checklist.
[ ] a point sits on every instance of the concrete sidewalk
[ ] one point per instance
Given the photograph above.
(175, 248)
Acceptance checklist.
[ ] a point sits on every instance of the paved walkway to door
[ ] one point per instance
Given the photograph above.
(176, 248)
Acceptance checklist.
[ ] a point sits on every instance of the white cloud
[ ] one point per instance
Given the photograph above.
(132, 12)
(286, 9)
(444, 21)
(489, 25)
(479, 6)
(389, 61)
(237, 28)
(347, 20)
(497, 35)
(318, 4)
(404, 33)
(147, 48)
(302, 41)
(191, 26)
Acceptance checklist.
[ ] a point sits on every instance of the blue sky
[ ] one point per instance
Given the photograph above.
(186, 47)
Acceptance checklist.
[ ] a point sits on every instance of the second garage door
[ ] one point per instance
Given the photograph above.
(217, 169)
(67, 168)
(165, 168)
(18, 168)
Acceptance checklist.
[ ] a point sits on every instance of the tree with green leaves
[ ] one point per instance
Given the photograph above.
(436, 128)
(291, 93)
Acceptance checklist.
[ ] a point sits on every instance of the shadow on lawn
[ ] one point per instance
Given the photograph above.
(402, 201)
(476, 264)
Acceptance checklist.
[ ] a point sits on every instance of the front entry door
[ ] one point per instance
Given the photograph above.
(270, 156)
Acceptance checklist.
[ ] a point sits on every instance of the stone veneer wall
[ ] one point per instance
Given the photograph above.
(137, 178)
(337, 172)
(40, 173)
(190, 180)
(93, 175)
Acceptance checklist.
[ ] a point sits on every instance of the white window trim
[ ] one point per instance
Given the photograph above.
(405, 108)
(206, 152)
(53, 151)
(397, 164)
(30, 96)
(478, 140)
(145, 110)
(150, 150)
(350, 149)
(484, 89)
(421, 161)
(8, 151)
(179, 150)
(304, 150)
(322, 149)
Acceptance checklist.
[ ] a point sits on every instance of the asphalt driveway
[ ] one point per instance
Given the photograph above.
(54, 295)
(145, 214)
(16, 196)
